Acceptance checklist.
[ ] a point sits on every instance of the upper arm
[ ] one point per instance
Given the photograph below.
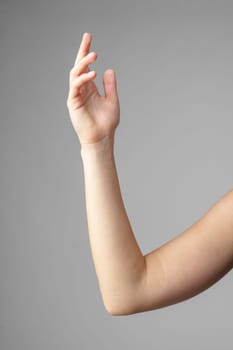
(192, 261)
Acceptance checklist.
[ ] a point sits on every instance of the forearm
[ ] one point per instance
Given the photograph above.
(118, 261)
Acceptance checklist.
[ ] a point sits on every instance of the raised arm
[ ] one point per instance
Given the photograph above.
(130, 282)
(117, 258)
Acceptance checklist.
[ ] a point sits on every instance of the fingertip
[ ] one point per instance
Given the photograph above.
(110, 70)
(109, 73)
(86, 35)
(93, 53)
(92, 73)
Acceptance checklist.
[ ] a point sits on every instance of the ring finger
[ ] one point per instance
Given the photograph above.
(82, 67)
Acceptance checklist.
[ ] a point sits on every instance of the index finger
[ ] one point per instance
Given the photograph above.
(84, 47)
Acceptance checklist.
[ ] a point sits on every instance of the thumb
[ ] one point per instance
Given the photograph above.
(110, 85)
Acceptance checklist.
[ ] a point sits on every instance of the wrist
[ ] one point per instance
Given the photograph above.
(104, 146)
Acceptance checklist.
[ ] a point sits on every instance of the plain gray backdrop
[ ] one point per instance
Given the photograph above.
(173, 149)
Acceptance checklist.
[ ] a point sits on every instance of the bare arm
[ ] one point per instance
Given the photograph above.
(119, 263)
(178, 270)
(130, 282)
(194, 260)
(117, 257)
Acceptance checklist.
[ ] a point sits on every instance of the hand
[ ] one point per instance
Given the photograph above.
(93, 116)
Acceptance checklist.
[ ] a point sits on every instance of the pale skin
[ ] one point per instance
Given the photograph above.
(129, 281)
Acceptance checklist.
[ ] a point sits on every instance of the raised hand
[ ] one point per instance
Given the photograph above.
(93, 116)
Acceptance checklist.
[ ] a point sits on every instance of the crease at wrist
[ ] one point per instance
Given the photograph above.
(105, 145)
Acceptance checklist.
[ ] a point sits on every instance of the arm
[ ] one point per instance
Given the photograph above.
(117, 258)
(178, 270)
(194, 260)
(118, 261)
(130, 282)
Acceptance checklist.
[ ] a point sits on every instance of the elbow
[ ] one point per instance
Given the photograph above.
(114, 310)
(120, 310)
(124, 303)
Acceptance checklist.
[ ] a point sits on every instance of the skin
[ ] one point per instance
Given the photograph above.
(129, 281)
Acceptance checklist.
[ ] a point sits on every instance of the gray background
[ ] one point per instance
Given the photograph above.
(173, 148)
